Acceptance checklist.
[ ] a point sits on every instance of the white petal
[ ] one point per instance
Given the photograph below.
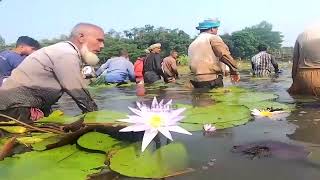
(178, 129)
(132, 119)
(147, 138)
(165, 132)
(135, 128)
(169, 103)
(176, 112)
(255, 112)
(206, 127)
(154, 103)
(175, 120)
(136, 111)
(161, 103)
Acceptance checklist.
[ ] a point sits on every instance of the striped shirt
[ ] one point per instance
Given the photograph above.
(263, 63)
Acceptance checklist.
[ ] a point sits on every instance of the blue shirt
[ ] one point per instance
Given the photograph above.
(9, 60)
(118, 69)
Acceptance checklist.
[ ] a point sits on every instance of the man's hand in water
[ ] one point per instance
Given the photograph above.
(235, 78)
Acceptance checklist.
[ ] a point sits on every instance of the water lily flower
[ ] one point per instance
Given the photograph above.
(157, 118)
(209, 128)
(268, 113)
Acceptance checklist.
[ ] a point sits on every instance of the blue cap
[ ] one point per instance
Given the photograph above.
(208, 23)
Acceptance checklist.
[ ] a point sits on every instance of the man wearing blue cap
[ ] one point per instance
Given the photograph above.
(206, 53)
(10, 59)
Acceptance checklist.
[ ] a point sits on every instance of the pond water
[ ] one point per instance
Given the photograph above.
(301, 127)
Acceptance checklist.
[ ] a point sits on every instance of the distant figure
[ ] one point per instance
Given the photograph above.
(152, 70)
(138, 67)
(169, 66)
(306, 62)
(117, 69)
(10, 59)
(41, 79)
(205, 54)
(263, 62)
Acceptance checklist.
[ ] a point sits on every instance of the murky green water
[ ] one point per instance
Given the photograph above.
(302, 127)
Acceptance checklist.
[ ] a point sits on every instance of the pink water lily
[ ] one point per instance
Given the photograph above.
(209, 128)
(157, 118)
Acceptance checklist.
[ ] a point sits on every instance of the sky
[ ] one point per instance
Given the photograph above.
(46, 19)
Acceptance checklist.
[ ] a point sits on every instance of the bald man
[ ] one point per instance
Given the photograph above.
(41, 79)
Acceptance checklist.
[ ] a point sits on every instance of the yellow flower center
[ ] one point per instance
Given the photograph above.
(156, 121)
(266, 113)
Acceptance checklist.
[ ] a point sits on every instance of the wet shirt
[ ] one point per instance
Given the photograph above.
(9, 60)
(263, 63)
(205, 54)
(169, 66)
(306, 53)
(41, 79)
(138, 68)
(118, 69)
(152, 70)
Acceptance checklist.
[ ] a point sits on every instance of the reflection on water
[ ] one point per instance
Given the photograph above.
(302, 127)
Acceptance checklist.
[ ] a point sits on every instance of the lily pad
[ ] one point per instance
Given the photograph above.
(62, 163)
(270, 104)
(218, 115)
(58, 117)
(42, 145)
(14, 129)
(245, 98)
(99, 141)
(163, 162)
(104, 116)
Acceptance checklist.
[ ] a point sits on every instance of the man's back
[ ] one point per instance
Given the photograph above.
(8, 61)
(203, 61)
(119, 69)
(307, 48)
(45, 74)
(262, 64)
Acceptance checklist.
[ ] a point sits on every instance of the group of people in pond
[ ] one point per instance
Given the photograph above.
(34, 78)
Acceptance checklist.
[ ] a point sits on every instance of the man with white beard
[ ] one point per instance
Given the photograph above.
(41, 79)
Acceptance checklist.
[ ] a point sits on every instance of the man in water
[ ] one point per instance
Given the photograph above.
(306, 62)
(169, 66)
(263, 62)
(205, 54)
(10, 59)
(152, 70)
(41, 79)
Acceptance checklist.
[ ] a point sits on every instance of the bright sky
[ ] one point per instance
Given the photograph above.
(47, 19)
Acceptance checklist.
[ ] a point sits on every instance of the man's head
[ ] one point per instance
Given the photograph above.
(262, 47)
(174, 54)
(26, 45)
(155, 48)
(124, 53)
(209, 26)
(89, 38)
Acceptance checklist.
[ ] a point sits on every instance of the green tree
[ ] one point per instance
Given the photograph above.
(2, 43)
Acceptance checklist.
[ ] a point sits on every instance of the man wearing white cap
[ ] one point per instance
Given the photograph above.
(205, 54)
(152, 70)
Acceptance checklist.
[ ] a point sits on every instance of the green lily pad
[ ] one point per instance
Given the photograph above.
(270, 104)
(245, 98)
(14, 129)
(218, 115)
(62, 163)
(99, 141)
(225, 90)
(42, 145)
(58, 117)
(163, 162)
(104, 116)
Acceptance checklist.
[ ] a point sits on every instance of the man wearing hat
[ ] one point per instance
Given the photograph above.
(10, 59)
(152, 70)
(206, 52)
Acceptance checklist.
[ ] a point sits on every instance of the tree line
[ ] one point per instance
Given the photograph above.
(242, 44)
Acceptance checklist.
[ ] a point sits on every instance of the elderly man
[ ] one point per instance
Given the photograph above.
(10, 59)
(41, 79)
(118, 69)
(306, 62)
(169, 66)
(205, 54)
(263, 62)
(152, 70)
